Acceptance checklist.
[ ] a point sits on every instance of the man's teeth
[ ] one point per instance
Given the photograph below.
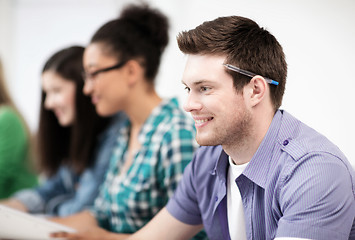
(201, 121)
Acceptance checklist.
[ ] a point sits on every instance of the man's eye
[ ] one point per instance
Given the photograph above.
(204, 89)
(187, 89)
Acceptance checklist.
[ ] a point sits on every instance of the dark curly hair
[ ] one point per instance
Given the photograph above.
(139, 33)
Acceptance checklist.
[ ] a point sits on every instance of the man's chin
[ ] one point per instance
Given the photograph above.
(206, 142)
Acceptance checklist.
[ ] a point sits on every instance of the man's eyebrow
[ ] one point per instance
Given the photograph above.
(197, 82)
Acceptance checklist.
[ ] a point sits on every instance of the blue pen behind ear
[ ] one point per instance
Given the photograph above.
(249, 74)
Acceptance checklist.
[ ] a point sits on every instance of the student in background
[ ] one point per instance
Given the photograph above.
(74, 143)
(16, 170)
(156, 143)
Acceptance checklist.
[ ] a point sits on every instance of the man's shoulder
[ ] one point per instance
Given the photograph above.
(308, 149)
(302, 139)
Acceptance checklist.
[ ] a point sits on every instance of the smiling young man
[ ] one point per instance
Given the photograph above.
(261, 173)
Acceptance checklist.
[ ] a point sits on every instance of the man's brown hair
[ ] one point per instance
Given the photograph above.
(245, 45)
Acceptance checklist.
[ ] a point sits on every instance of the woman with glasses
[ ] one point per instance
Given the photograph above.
(156, 142)
(74, 143)
(15, 150)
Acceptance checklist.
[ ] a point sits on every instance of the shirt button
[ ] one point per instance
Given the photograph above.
(216, 198)
(285, 142)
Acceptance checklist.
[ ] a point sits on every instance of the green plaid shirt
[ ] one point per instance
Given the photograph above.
(128, 201)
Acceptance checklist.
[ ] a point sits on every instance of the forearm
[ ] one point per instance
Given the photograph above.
(94, 233)
(165, 226)
(14, 203)
(81, 221)
(84, 196)
(31, 199)
(117, 236)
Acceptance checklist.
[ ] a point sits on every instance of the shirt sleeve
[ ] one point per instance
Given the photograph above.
(316, 199)
(13, 152)
(36, 199)
(66, 193)
(12, 140)
(89, 182)
(60, 194)
(85, 192)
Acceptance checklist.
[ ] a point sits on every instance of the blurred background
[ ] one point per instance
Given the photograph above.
(318, 37)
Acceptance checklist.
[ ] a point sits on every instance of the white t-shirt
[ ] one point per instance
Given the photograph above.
(236, 223)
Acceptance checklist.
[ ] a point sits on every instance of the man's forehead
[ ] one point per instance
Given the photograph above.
(203, 67)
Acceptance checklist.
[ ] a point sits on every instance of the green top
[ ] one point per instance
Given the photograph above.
(15, 173)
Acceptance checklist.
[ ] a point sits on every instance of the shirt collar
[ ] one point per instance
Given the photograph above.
(221, 165)
(258, 168)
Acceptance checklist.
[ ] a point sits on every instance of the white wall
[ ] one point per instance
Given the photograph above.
(318, 37)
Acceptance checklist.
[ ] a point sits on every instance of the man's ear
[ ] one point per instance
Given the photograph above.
(257, 88)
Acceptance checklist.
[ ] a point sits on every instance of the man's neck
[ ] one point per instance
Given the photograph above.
(241, 154)
(243, 151)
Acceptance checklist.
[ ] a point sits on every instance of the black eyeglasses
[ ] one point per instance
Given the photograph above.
(91, 76)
